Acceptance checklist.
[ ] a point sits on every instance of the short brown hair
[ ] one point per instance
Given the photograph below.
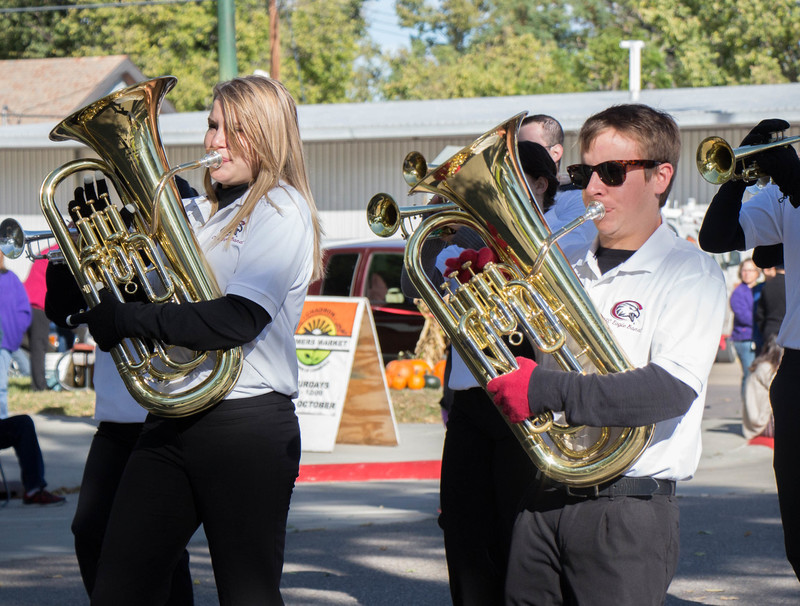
(655, 132)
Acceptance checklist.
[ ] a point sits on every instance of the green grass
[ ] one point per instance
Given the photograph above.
(22, 400)
(410, 405)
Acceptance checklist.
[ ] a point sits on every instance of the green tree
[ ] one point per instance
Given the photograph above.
(513, 65)
(320, 43)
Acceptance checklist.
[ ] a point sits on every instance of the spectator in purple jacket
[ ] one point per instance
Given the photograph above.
(741, 302)
(15, 317)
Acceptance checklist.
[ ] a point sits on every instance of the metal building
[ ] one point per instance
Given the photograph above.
(355, 150)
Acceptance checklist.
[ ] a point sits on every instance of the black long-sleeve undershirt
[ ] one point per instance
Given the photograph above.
(221, 323)
(721, 231)
(626, 399)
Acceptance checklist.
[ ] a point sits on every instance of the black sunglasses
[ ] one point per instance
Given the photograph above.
(612, 173)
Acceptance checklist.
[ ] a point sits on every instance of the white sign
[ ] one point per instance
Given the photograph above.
(327, 339)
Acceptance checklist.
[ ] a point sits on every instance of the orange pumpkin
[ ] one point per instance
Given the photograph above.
(438, 370)
(420, 367)
(398, 368)
(398, 382)
(416, 381)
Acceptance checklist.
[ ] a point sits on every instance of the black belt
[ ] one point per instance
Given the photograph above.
(624, 486)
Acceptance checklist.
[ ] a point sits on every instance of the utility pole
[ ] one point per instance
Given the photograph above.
(226, 30)
(634, 66)
(274, 41)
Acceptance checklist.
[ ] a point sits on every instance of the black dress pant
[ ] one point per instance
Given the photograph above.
(111, 446)
(485, 473)
(577, 551)
(783, 395)
(231, 468)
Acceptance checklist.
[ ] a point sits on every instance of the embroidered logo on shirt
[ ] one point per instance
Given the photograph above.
(235, 236)
(627, 310)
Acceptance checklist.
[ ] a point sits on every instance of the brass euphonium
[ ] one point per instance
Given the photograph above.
(532, 292)
(103, 252)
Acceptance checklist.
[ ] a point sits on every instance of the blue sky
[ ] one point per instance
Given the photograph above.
(383, 26)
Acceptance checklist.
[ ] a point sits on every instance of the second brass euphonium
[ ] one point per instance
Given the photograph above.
(531, 292)
(103, 252)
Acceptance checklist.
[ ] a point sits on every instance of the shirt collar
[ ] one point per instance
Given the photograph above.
(646, 259)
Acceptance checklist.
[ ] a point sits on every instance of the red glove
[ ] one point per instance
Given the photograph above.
(510, 391)
(478, 259)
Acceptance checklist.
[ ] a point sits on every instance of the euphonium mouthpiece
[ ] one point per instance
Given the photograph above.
(595, 211)
(211, 160)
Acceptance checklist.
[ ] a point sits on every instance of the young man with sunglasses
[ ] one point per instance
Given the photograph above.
(664, 301)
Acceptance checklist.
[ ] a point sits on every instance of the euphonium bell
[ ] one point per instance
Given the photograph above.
(532, 292)
(102, 251)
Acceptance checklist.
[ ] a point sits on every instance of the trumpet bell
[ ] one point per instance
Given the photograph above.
(414, 167)
(718, 162)
(383, 215)
(715, 160)
(12, 238)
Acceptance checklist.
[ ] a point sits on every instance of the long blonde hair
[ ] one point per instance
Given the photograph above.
(261, 125)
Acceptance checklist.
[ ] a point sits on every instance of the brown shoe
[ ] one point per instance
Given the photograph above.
(43, 497)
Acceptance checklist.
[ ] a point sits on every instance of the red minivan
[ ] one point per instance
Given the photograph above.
(372, 269)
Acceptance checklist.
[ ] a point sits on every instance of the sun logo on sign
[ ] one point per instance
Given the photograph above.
(317, 326)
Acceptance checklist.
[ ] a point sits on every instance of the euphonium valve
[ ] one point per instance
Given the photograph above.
(150, 252)
(531, 292)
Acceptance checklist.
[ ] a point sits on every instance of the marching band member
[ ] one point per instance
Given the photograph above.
(120, 420)
(232, 466)
(767, 221)
(664, 301)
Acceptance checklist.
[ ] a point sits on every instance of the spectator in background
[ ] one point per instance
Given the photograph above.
(15, 317)
(757, 419)
(742, 306)
(19, 432)
(771, 306)
(39, 330)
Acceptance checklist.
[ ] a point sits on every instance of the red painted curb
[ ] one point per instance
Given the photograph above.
(364, 472)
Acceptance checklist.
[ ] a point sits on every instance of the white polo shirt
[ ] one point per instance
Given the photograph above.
(268, 260)
(112, 401)
(765, 220)
(664, 305)
(460, 376)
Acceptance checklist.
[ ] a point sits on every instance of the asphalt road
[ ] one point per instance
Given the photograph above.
(377, 543)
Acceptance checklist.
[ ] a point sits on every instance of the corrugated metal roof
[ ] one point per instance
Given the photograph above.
(691, 107)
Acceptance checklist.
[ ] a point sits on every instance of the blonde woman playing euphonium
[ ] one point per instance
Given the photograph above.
(231, 467)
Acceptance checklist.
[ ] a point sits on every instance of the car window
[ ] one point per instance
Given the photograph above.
(339, 275)
(383, 279)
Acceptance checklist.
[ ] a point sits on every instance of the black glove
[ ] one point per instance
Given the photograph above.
(763, 131)
(102, 321)
(768, 256)
(63, 297)
(783, 165)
